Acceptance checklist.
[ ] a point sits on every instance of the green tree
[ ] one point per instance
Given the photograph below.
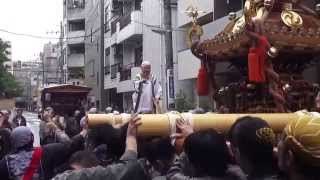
(182, 102)
(8, 85)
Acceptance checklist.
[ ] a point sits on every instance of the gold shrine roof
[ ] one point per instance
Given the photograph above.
(229, 44)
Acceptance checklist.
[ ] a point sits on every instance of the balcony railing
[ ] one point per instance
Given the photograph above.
(114, 26)
(76, 73)
(107, 70)
(125, 74)
(125, 20)
(106, 27)
(115, 68)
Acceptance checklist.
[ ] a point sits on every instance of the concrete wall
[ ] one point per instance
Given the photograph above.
(76, 60)
(72, 60)
(128, 53)
(51, 63)
(92, 45)
(75, 37)
(188, 65)
(77, 13)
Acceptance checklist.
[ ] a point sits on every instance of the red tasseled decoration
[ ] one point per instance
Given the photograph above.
(203, 82)
(253, 65)
(256, 61)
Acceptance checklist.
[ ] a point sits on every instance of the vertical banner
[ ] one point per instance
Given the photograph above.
(170, 89)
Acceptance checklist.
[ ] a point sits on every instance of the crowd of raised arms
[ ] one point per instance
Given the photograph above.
(71, 150)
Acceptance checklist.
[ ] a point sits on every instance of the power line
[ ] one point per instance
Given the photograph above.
(85, 36)
(158, 26)
(28, 35)
(39, 71)
(46, 37)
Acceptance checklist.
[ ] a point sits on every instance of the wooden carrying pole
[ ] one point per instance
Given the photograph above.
(164, 124)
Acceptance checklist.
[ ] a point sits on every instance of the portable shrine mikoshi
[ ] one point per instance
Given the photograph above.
(269, 46)
(165, 124)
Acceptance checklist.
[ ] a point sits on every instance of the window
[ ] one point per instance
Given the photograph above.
(107, 61)
(114, 71)
(106, 19)
(118, 54)
(117, 7)
(137, 5)
(113, 26)
(76, 73)
(138, 56)
(72, 4)
(91, 38)
(118, 50)
(91, 68)
(78, 25)
(127, 7)
(76, 49)
(64, 8)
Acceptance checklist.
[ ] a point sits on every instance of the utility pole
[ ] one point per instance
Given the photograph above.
(61, 60)
(102, 95)
(42, 58)
(167, 20)
(167, 24)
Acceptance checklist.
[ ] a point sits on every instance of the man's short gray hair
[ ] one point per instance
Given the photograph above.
(145, 63)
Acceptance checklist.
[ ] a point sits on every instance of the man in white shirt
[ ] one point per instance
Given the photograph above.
(147, 91)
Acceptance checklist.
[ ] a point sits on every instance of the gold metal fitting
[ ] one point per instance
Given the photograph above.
(268, 3)
(273, 52)
(232, 16)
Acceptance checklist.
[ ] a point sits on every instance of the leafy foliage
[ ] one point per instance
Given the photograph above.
(182, 103)
(8, 86)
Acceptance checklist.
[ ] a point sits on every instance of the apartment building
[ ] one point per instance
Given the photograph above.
(92, 49)
(133, 33)
(73, 35)
(49, 58)
(30, 77)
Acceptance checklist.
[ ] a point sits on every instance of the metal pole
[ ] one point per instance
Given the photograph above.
(167, 17)
(101, 72)
(42, 57)
(167, 22)
(61, 54)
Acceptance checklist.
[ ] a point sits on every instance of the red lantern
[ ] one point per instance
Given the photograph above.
(203, 81)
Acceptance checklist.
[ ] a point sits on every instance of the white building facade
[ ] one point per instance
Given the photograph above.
(129, 40)
(49, 58)
(73, 50)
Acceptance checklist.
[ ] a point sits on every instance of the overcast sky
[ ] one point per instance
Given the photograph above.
(36, 17)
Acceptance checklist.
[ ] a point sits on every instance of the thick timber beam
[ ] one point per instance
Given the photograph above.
(165, 124)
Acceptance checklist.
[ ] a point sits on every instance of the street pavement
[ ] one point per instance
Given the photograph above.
(34, 124)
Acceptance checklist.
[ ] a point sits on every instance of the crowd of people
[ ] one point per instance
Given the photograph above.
(73, 151)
